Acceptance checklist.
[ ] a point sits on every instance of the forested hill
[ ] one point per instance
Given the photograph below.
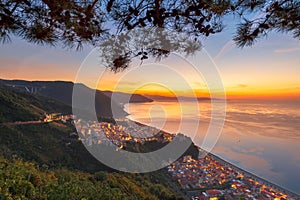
(44, 143)
(17, 105)
(62, 91)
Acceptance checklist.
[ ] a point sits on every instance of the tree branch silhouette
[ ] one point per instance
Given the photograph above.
(72, 23)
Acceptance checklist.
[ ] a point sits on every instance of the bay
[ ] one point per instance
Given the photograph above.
(262, 137)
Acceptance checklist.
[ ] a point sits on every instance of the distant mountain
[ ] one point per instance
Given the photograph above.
(122, 98)
(62, 91)
(183, 98)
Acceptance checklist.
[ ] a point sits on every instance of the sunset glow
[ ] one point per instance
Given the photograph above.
(268, 70)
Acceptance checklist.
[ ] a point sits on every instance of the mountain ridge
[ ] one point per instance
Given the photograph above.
(63, 90)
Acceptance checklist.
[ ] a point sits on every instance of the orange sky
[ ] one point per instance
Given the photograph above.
(270, 69)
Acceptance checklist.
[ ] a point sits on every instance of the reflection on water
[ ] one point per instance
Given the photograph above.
(260, 136)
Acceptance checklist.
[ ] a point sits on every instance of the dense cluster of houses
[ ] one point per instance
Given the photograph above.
(93, 132)
(205, 178)
(191, 173)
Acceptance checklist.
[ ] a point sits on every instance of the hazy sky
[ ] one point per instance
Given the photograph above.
(269, 69)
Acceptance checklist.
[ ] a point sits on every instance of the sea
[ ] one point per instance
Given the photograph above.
(259, 136)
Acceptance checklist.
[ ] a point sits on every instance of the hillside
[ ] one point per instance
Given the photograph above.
(62, 91)
(43, 143)
(51, 146)
(25, 180)
(16, 105)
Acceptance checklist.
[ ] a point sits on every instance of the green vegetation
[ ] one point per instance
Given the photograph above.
(24, 180)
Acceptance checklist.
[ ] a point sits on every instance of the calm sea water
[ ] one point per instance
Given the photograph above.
(262, 137)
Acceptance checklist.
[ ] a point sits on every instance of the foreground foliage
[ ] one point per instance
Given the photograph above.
(25, 180)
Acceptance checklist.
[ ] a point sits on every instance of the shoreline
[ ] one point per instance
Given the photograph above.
(253, 176)
(246, 173)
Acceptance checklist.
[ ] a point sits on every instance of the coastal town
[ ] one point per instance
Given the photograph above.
(93, 132)
(202, 178)
(207, 177)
